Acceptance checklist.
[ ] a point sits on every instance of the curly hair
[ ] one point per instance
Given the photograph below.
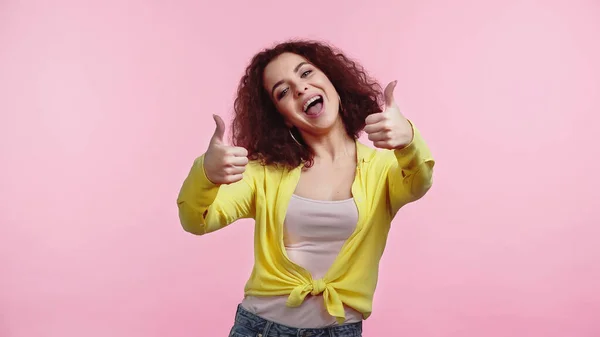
(260, 128)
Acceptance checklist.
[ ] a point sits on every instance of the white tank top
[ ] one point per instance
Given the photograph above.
(314, 232)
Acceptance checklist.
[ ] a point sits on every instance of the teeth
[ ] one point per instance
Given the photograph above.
(310, 101)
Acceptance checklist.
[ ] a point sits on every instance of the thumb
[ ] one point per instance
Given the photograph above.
(219, 130)
(389, 93)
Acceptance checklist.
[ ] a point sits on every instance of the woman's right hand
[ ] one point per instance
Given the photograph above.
(224, 164)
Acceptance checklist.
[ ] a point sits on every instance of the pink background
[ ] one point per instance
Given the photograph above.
(105, 104)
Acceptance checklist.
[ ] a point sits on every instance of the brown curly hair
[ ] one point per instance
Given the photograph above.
(260, 128)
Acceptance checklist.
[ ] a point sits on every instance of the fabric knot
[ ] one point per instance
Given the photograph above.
(333, 303)
(318, 286)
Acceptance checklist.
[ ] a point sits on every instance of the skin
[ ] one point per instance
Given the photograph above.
(290, 79)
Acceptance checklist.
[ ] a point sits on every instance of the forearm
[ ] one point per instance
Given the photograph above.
(197, 194)
(412, 175)
(205, 207)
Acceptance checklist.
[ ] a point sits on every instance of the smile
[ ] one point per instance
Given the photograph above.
(313, 106)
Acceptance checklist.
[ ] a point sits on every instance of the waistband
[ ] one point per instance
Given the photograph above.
(268, 328)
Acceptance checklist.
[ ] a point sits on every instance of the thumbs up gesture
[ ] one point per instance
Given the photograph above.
(389, 129)
(224, 164)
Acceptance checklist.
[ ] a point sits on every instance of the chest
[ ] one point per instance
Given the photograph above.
(327, 182)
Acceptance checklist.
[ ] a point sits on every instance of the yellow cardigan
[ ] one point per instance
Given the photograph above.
(385, 181)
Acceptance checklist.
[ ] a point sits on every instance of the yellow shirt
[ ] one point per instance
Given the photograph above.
(385, 181)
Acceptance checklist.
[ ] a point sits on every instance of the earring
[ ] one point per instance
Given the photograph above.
(340, 103)
(294, 138)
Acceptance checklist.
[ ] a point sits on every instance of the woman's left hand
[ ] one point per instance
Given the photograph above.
(389, 129)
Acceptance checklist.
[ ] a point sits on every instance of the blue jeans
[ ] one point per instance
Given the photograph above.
(248, 324)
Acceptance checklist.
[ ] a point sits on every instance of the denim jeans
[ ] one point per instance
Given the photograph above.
(249, 325)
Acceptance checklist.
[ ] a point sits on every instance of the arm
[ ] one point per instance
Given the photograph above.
(205, 207)
(410, 170)
(411, 173)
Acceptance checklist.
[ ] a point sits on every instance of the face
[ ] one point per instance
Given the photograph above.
(302, 94)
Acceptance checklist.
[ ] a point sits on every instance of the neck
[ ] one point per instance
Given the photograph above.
(333, 145)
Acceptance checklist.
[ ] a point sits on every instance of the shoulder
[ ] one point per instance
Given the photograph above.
(258, 171)
(254, 166)
(373, 156)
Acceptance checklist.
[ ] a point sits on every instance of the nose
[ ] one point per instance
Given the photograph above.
(300, 89)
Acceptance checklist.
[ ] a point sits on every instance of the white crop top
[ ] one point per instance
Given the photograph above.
(314, 232)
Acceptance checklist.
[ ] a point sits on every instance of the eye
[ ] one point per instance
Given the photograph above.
(306, 73)
(281, 94)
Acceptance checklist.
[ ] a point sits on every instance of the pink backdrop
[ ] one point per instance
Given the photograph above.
(105, 104)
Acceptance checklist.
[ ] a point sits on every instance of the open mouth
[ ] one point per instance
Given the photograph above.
(314, 105)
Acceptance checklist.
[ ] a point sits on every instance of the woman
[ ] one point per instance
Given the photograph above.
(322, 201)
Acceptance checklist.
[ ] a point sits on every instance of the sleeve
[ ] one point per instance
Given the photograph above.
(205, 207)
(411, 173)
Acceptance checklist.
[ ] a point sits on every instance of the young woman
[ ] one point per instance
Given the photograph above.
(322, 201)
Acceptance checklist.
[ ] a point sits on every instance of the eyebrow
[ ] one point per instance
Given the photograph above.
(281, 82)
